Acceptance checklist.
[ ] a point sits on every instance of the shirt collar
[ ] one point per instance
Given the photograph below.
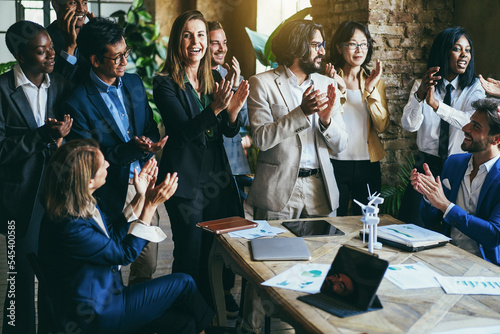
(101, 85)
(22, 80)
(487, 165)
(293, 79)
(454, 82)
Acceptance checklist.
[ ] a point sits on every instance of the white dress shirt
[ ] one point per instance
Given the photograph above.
(467, 197)
(419, 116)
(37, 96)
(308, 157)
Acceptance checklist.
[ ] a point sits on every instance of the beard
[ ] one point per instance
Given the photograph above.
(309, 66)
(475, 146)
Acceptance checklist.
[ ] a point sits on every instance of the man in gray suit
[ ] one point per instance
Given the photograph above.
(295, 119)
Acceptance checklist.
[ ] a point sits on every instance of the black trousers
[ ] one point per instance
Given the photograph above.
(409, 211)
(352, 176)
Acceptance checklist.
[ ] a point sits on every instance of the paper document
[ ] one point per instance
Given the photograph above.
(305, 277)
(412, 276)
(410, 234)
(470, 285)
(475, 330)
(263, 230)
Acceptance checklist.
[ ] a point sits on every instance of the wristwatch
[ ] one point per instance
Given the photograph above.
(417, 98)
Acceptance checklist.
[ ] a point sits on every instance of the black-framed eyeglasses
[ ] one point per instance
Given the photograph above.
(317, 46)
(354, 46)
(120, 56)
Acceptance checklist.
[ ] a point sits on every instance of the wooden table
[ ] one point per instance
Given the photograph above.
(405, 311)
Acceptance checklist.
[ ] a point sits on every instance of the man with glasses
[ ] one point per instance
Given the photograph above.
(111, 106)
(71, 16)
(295, 119)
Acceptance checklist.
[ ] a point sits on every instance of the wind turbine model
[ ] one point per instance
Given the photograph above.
(370, 219)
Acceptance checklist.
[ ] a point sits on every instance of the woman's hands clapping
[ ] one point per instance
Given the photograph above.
(222, 96)
(238, 101)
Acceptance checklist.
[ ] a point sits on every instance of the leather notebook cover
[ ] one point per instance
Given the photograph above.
(225, 225)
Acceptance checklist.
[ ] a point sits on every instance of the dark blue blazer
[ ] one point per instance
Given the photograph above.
(484, 226)
(25, 149)
(185, 125)
(92, 119)
(81, 263)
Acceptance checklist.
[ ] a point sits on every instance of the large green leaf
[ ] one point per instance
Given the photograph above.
(258, 41)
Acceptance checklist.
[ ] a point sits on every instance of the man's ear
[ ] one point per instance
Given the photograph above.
(495, 140)
(94, 61)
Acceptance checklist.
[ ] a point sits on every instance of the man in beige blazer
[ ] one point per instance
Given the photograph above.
(295, 118)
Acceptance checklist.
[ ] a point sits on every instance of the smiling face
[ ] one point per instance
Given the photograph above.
(356, 57)
(80, 7)
(477, 137)
(39, 55)
(460, 56)
(313, 63)
(193, 42)
(218, 47)
(105, 68)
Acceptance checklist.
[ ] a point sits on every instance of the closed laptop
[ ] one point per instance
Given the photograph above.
(276, 249)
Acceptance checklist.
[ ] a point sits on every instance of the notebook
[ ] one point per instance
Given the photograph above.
(276, 249)
(409, 237)
(351, 284)
(225, 225)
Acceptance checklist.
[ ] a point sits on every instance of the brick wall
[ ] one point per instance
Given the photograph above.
(403, 31)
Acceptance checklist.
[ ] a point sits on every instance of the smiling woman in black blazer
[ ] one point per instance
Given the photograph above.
(196, 112)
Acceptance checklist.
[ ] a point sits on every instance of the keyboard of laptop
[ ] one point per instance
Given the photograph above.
(331, 305)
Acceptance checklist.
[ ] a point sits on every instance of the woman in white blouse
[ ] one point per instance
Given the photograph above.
(365, 114)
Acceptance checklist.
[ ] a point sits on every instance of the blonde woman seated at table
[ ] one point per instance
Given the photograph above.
(365, 114)
(81, 252)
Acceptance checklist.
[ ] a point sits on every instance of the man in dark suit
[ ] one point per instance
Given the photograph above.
(466, 196)
(71, 15)
(111, 106)
(29, 134)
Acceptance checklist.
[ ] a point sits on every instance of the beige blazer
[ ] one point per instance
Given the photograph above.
(275, 128)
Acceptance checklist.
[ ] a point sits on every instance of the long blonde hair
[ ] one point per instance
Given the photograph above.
(174, 64)
(66, 184)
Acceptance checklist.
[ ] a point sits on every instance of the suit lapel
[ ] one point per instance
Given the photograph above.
(21, 102)
(283, 86)
(492, 176)
(101, 107)
(457, 181)
(133, 103)
(51, 95)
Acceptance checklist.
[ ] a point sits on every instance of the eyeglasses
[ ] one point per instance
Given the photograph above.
(121, 56)
(354, 46)
(317, 46)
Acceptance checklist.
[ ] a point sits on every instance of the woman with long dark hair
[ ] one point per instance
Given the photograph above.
(197, 108)
(81, 252)
(440, 104)
(365, 114)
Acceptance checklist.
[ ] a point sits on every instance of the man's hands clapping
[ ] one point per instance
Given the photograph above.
(321, 103)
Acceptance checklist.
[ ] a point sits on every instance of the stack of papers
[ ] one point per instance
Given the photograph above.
(304, 277)
(411, 235)
(263, 230)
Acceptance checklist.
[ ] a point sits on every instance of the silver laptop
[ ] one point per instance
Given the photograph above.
(274, 249)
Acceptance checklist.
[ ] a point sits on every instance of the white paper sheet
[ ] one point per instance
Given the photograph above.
(412, 276)
(470, 285)
(475, 330)
(305, 277)
(263, 230)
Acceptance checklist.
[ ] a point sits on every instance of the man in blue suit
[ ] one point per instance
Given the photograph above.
(467, 195)
(111, 107)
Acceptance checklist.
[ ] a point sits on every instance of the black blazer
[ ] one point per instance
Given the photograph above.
(92, 119)
(73, 73)
(25, 149)
(185, 125)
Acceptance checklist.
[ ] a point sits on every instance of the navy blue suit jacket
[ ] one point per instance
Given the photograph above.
(25, 149)
(185, 125)
(484, 226)
(92, 119)
(81, 263)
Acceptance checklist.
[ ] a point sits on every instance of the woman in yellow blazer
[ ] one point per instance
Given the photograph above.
(365, 114)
